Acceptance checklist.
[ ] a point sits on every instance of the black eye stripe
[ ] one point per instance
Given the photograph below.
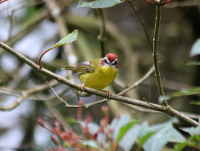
(115, 62)
(106, 61)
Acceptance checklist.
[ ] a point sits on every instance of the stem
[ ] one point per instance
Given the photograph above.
(150, 1)
(166, 2)
(102, 35)
(155, 53)
(141, 21)
(3, 1)
(40, 64)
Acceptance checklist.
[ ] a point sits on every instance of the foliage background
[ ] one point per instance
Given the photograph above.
(32, 26)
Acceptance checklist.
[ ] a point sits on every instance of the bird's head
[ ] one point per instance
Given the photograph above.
(110, 60)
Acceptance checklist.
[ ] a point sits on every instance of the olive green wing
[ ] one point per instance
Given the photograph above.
(85, 67)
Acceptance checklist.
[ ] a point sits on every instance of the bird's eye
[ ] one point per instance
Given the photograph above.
(105, 60)
(115, 63)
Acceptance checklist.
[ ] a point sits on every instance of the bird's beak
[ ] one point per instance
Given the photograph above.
(110, 63)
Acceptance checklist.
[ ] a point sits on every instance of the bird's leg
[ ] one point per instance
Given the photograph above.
(82, 87)
(108, 93)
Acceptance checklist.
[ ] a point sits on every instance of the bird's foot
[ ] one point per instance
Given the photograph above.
(108, 94)
(82, 87)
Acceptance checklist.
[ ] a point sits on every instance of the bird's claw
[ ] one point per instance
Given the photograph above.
(82, 87)
(108, 93)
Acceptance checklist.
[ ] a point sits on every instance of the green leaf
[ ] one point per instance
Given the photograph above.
(124, 129)
(99, 3)
(189, 142)
(144, 139)
(71, 120)
(118, 123)
(195, 102)
(67, 39)
(196, 137)
(180, 146)
(192, 63)
(195, 50)
(179, 93)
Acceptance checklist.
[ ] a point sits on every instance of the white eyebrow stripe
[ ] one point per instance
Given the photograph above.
(107, 59)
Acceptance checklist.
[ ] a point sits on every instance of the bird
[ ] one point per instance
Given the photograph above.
(98, 73)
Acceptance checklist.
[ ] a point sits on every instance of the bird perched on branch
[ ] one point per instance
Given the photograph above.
(98, 73)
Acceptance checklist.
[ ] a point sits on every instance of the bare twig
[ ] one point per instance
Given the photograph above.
(139, 81)
(167, 1)
(26, 94)
(155, 53)
(67, 105)
(164, 109)
(141, 21)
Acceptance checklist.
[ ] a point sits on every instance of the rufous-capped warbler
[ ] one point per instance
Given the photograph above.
(98, 73)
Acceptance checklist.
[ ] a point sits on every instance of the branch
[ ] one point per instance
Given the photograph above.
(164, 109)
(141, 109)
(25, 94)
(155, 53)
(141, 21)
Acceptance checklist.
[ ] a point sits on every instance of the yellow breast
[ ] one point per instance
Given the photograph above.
(100, 78)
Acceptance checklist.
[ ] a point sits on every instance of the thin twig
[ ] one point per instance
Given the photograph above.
(26, 94)
(155, 53)
(165, 109)
(102, 35)
(167, 1)
(141, 21)
(150, 1)
(67, 105)
(36, 97)
(11, 23)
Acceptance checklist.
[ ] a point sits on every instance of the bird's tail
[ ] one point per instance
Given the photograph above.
(73, 69)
